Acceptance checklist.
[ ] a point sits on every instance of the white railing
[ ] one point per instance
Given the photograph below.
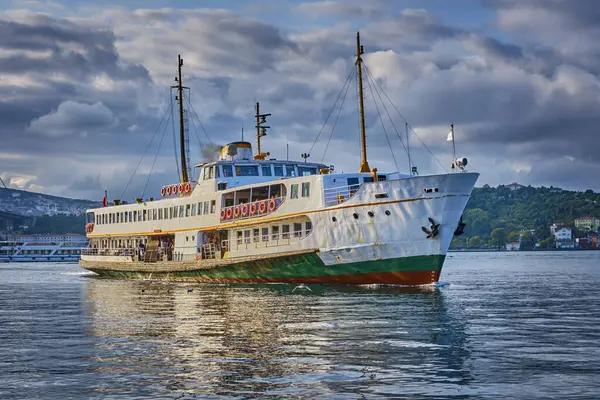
(272, 239)
(124, 251)
(229, 213)
(338, 195)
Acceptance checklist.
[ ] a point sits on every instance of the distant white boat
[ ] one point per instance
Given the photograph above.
(42, 248)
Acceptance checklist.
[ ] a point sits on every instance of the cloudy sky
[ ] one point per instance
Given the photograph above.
(83, 87)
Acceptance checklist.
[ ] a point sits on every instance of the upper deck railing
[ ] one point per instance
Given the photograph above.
(340, 194)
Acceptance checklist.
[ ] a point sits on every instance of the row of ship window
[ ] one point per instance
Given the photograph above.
(226, 171)
(273, 233)
(156, 214)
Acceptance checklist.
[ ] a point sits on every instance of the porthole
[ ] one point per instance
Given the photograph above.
(334, 219)
(387, 212)
(370, 213)
(355, 215)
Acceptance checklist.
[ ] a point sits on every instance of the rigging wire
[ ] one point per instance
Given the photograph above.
(155, 157)
(144, 155)
(200, 122)
(189, 100)
(332, 108)
(335, 122)
(382, 124)
(404, 119)
(174, 135)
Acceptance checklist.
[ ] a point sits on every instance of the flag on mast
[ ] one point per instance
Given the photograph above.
(450, 135)
(105, 200)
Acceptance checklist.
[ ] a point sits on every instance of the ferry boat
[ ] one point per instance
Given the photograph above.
(42, 248)
(249, 218)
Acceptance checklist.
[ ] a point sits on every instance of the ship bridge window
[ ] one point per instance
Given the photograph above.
(90, 218)
(305, 171)
(251, 195)
(246, 170)
(294, 191)
(305, 189)
(278, 169)
(227, 170)
(290, 170)
(266, 170)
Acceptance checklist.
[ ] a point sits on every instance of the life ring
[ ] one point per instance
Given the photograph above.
(175, 189)
(188, 187)
(181, 187)
(229, 213)
(272, 205)
(169, 190)
(236, 211)
(262, 207)
(163, 191)
(244, 209)
(223, 214)
(253, 208)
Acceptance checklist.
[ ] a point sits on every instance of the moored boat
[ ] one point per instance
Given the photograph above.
(250, 218)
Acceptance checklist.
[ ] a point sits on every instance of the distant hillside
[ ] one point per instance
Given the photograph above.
(36, 204)
(526, 208)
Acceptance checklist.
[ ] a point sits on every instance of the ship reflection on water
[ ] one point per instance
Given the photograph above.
(272, 340)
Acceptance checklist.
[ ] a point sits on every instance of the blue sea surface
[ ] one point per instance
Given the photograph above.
(507, 325)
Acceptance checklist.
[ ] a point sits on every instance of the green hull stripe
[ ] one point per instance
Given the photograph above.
(296, 266)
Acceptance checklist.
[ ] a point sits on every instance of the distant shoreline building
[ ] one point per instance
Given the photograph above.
(587, 223)
(514, 186)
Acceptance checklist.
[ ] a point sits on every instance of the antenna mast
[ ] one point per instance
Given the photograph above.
(364, 165)
(180, 87)
(261, 130)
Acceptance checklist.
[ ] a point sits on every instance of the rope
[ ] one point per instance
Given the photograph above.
(155, 157)
(381, 120)
(146, 151)
(405, 121)
(332, 108)
(335, 122)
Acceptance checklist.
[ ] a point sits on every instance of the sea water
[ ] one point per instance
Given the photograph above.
(505, 325)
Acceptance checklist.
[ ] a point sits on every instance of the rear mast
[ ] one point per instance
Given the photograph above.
(364, 165)
(180, 87)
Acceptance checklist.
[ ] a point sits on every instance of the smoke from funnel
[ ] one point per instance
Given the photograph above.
(210, 152)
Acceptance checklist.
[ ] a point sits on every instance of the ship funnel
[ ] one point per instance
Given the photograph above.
(236, 151)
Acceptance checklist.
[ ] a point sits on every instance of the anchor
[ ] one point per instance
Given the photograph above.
(433, 230)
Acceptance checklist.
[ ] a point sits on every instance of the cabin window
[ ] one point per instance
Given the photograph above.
(367, 179)
(194, 210)
(285, 231)
(266, 170)
(278, 169)
(181, 211)
(297, 230)
(294, 191)
(227, 171)
(154, 214)
(126, 215)
(256, 235)
(206, 207)
(381, 177)
(135, 216)
(305, 171)
(208, 173)
(89, 218)
(188, 209)
(247, 236)
(305, 189)
(265, 234)
(200, 208)
(308, 227)
(213, 206)
(211, 172)
(246, 170)
(217, 172)
(130, 216)
(289, 170)
(118, 219)
(275, 232)
(144, 215)
(239, 237)
(160, 213)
